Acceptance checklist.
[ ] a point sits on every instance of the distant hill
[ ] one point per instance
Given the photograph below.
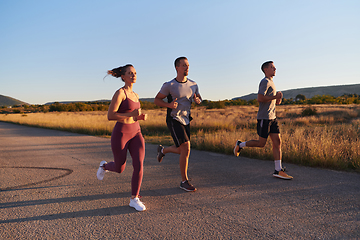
(9, 101)
(103, 100)
(310, 92)
(67, 102)
(147, 99)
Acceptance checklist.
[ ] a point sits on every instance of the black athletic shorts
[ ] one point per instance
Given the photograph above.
(179, 132)
(265, 127)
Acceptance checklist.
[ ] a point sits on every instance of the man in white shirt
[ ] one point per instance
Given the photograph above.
(267, 124)
(180, 93)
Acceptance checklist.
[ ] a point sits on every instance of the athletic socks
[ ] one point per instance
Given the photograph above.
(278, 166)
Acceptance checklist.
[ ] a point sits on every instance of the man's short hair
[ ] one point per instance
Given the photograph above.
(177, 61)
(265, 65)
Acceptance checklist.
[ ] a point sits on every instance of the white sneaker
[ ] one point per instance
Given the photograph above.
(101, 172)
(137, 204)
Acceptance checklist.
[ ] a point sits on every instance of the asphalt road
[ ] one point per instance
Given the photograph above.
(49, 190)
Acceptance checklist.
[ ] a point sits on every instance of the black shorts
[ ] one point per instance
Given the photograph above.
(265, 127)
(179, 132)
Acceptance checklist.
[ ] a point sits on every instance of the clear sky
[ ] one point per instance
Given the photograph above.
(60, 50)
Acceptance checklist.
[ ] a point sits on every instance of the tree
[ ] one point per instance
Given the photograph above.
(300, 97)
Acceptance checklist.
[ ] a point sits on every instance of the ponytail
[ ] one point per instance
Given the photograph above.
(117, 72)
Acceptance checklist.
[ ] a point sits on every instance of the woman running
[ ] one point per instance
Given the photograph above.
(125, 109)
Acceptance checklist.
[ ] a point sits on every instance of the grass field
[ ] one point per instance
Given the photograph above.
(329, 139)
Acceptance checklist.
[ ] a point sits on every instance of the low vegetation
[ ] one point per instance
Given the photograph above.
(103, 105)
(325, 135)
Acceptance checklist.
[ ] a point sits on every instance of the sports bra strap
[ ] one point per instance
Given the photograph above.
(127, 95)
(125, 92)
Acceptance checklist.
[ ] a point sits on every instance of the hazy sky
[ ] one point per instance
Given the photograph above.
(60, 50)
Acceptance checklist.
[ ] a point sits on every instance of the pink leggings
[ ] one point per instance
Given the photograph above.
(124, 137)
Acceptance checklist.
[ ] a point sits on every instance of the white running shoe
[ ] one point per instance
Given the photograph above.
(137, 204)
(101, 171)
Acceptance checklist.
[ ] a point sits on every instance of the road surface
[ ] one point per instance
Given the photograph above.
(49, 190)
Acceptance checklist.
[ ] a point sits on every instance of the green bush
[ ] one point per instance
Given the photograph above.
(148, 105)
(217, 105)
(309, 112)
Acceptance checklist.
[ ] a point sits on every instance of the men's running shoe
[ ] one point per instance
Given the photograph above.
(137, 204)
(160, 155)
(281, 174)
(237, 148)
(101, 171)
(187, 186)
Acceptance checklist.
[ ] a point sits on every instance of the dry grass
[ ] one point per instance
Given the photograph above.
(94, 123)
(330, 139)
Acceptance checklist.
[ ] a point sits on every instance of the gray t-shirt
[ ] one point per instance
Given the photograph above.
(267, 109)
(184, 92)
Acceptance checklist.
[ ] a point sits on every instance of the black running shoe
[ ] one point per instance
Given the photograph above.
(187, 186)
(237, 148)
(160, 155)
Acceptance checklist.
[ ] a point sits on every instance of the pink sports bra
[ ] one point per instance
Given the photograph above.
(128, 105)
